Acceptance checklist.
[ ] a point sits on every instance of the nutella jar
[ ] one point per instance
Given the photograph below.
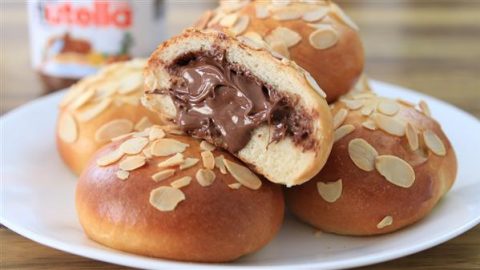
(72, 39)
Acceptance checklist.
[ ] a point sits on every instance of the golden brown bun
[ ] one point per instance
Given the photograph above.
(366, 197)
(76, 138)
(214, 223)
(336, 68)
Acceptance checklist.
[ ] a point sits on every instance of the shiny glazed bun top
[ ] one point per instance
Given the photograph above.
(317, 35)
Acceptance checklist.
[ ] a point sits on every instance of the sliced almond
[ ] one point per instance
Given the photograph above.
(94, 110)
(156, 133)
(388, 107)
(386, 221)
(281, 3)
(339, 118)
(390, 125)
(368, 108)
(434, 143)
(253, 36)
(287, 14)
(188, 163)
(181, 182)
(343, 17)
(315, 15)
(122, 175)
(83, 99)
(166, 147)
(369, 124)
(353, 104)
(232, 6)
(166, 198)
(362, 154)
(143, 124)
(235, 185)
(110, 158)
(396, 170)
(311, 81)
(162, 175)
(424, 108)
(131, 163)
(121, 137)
(113, 129)
(280, 48)
(241, 25)
(323, 38)
(405, 102)
(412, 137)
(287, 35)
(229, 20)
(177, 159)
(243, 175)
(261, 11)
(67, 128)
(133, 146)
(254, 44)
(205, 177)
(342, 131)
(205, 146)
(147, 152)
(220, 164)
(208, 160)
(131, 83)
(330, 191)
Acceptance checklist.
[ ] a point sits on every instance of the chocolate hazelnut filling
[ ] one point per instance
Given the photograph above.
(222, 102)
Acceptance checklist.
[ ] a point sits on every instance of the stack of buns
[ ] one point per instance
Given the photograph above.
(187, 156)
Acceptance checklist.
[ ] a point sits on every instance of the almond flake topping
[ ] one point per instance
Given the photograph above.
(386, 221)
(424, 108)
(94, 110)
(280, 48)
(235, 186)
(311, 81)
(156, 133)
(110, 158)
(177, 159)
(243, 175)
(342, 131)
(188, 163)
(412, 137)
(353, 104)
(287, 14)
(205, 177)
(330, 191)
(83, 99)
(339, 118)
(388, 107)
(261, 11)
(162, 175)
(181, 182)
(362, 154)
(67, 128)
(205, 146)
(131, 83)
(143, 124)
(390, 125)
(287, 35)
(229, 20)
(208, 160)
(220, 165)
(324, 37)
(434, 143)
(134, 145)
(166, 198)
(131, 163)
(396, 170)
(369, 124)
(166, 147)
(113, 129)
(241, 25)
(315, 15)
(368, 108)
(122, 175)
(343, 17)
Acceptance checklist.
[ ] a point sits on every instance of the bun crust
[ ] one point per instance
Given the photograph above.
(215, 223)
(366, 197)
(77, 145)
(335, 67)
(283, 162)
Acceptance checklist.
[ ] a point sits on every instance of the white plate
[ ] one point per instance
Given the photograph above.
(37, 196)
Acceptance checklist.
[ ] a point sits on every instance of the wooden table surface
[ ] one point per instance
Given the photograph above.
(431, 46)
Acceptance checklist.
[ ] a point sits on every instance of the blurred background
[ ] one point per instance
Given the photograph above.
(432, 46)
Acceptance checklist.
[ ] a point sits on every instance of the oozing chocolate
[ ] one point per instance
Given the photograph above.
(217, 100)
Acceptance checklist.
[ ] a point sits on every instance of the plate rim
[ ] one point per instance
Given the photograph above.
(115, 257)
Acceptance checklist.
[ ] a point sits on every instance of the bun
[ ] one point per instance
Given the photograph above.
(374, 141)
(183, 214)
(265, 111)
(318, 36)
(98, 108)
